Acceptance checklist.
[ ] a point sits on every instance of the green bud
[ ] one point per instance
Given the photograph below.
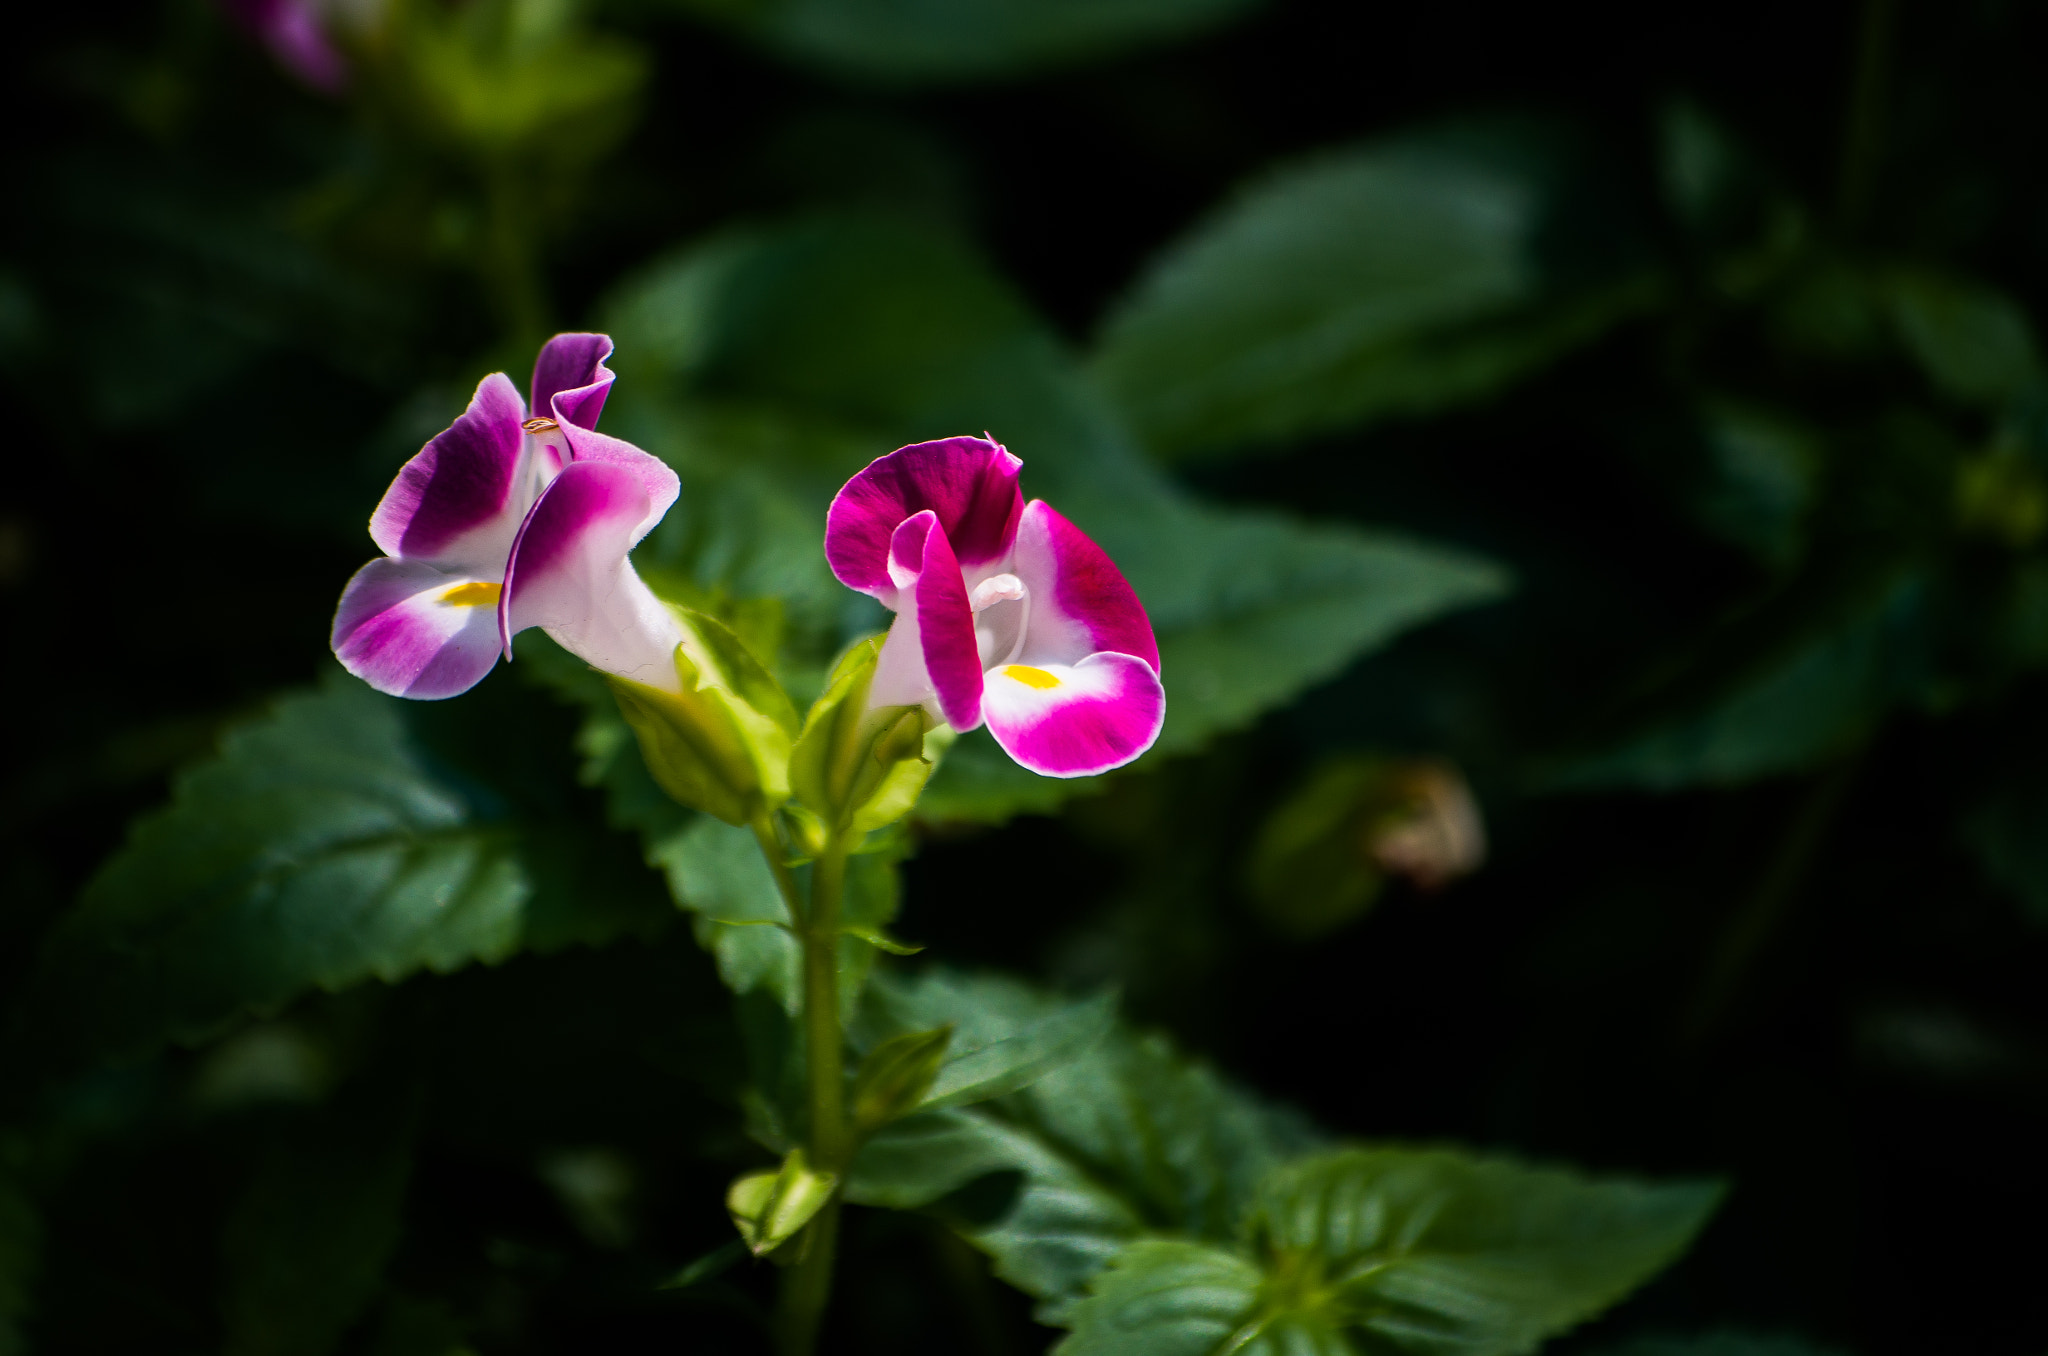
(857, 768)
(895, 1077)
(722, 744)
(768, 1208)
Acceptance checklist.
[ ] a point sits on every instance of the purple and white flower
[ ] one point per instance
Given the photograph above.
(1005, 611)
(515, 516)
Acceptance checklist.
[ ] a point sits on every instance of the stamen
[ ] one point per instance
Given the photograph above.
(476, 593)
(1030, 677)
(540, 424)
(998, 588)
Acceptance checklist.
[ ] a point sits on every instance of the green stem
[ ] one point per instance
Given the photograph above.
(807, 1286)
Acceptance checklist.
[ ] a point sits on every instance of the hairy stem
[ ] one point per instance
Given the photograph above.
(807, 1286)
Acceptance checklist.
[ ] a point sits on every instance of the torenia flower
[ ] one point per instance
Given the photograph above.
(1005, 612)
(516, 516)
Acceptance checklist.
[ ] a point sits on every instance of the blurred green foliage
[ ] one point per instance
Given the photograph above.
(1635, 417)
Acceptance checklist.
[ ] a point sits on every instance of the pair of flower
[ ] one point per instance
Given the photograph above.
(1005, 612)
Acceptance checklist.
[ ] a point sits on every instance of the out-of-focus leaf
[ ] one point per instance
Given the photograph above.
(949, 41)
(1974, 343)
(1399, 277)
(977, 783)
(184, 281)
(801, 353)
(1814, 699)
(1762, 473)
(1706, 177)
(324, 846)
(1311, 868)
(1428, 1251)
(306, 1246)
(2008, 833)
(896, 1076)
(21, 1236)
(1168, 1297)
(1730, 1343)
(411, 1327)
(1128, 1139)
(517, 75)
(981, 1063)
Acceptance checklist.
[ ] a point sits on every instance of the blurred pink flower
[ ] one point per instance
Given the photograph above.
(296, 33)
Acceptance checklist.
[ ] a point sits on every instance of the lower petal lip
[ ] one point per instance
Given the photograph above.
(408, 629)
(1075, 721)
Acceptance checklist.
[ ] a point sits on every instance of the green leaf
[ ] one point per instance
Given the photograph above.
(793, 356)
(1260, 607)
(976, 1073)
(721, 744)
(1129, 1138)
(1974, 343)
(977, 783)
(946, 41)
(895, 1077)
(1311, 868)
(1762, 476)
(517, 75)
(1428, 1251)
(1808, 701)
(1398, 277)
(1164, 1297)
(1444, 1252)
(327, 844)
(854, 767)
(1729, 1343)
(768, 1208)
(307, 1243)
(2007, 831)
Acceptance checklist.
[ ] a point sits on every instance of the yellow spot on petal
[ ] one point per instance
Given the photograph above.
(476, 593)
(1029, 676)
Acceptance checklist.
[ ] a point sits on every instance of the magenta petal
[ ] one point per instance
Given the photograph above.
(1080, 602)
(654, 475)
(569, 573)
(1075, 721)
(930, 653)
(397, 630)
(969, 483)
(570, 380)
(454, 502)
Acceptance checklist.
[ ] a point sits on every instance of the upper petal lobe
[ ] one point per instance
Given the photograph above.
(459, 501)
(653, 474)
(969, 484)
(570, 380)
(569, 574)
(1080, 602)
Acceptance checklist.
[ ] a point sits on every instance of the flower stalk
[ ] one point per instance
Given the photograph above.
(807, 1286)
